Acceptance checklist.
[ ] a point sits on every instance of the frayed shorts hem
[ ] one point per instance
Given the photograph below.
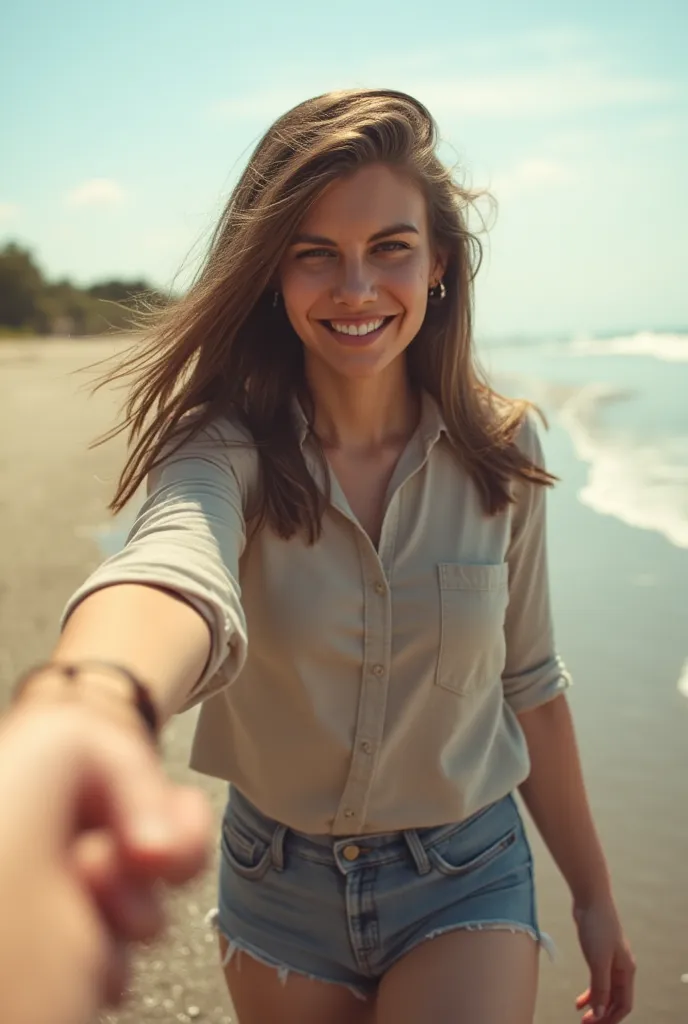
(543, 940)
(238, 946)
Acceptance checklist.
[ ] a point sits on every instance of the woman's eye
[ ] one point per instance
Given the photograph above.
(392, 246)
(313, 254)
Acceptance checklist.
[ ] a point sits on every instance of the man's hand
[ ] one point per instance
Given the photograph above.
(90, 826)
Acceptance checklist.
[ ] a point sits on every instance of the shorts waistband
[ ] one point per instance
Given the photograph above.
(380, 848)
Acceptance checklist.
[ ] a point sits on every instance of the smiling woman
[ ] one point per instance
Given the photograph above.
(359, 299)
(342, 555)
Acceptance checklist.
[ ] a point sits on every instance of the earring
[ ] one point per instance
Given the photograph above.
(275, 300)
(438, 288)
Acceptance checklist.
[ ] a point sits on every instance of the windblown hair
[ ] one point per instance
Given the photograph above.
(223, 349)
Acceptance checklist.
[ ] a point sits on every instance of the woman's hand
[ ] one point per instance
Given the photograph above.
(612, 968)
(90, 827)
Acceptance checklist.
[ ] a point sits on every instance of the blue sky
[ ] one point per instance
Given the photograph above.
(124, 126)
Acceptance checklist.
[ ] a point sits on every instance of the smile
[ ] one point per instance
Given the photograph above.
(363, 331)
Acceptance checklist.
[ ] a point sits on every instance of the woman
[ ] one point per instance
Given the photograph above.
(342, 555)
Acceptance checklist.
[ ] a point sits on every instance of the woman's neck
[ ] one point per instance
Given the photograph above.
(364, 414)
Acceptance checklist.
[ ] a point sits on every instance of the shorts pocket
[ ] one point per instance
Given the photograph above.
(247, 855)
(473, 602)
(449, 857)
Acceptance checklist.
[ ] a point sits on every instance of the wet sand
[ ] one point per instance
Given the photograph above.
(625, 643)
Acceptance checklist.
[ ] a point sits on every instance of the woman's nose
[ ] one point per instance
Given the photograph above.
(355, 283)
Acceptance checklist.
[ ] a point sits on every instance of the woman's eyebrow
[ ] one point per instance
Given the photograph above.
(393, 229)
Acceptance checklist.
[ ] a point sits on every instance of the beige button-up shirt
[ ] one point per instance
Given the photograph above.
(351, 690)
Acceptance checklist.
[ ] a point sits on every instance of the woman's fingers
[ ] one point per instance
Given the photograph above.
(623, 987)
(131, 905)
(600, 989)
(583, 1000)
(117, 973)
(621, 993)
(112, 780)
(164, 829)
(179, 849)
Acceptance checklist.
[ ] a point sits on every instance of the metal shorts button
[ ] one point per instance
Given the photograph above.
(351, 852)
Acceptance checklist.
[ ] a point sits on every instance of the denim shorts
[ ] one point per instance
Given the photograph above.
(344, 910)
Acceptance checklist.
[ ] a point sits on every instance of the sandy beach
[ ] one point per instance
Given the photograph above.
(624, 641)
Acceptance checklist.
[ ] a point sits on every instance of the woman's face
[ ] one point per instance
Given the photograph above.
(355, 278)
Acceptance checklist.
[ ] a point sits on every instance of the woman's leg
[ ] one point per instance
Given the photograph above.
(462, 977)
(261, 997)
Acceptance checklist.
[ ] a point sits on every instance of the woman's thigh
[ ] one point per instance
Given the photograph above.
(463, 977)
(261, 997)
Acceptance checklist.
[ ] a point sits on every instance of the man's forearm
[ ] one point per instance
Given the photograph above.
(555, 796)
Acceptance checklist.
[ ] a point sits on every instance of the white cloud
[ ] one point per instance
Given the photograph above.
(533, 173)
(96, 192)
(8, 212)
(547, 92)
(551, 44)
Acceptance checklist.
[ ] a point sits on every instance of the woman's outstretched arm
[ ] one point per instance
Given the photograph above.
(167, 607)
(152, 632)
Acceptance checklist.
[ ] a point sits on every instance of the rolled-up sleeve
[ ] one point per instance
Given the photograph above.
(188, 537)
(534, 673)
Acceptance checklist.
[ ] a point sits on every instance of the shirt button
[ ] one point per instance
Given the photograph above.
(348, 813)
(351, 852)
(366, 747)
(378, 670)
(380, 588)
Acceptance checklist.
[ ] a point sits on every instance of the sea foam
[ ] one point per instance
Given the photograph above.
(670, 348)
(643, 484)
(683, 680)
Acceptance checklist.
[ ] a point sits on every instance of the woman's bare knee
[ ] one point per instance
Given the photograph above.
(265, 995)
(463, 977)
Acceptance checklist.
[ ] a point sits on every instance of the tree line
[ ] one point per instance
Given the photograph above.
(30, 304)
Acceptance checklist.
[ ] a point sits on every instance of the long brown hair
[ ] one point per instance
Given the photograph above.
(223, 349)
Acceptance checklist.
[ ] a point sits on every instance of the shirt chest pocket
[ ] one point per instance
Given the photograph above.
(473, 602)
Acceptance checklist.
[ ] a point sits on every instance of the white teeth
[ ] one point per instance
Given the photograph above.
(358, 329)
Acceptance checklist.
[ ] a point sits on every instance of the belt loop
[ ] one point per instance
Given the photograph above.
(277, 847)
(417, 851)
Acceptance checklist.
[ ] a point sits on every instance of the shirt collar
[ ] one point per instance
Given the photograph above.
(432, 425)
(300, 421)
(430, 428)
